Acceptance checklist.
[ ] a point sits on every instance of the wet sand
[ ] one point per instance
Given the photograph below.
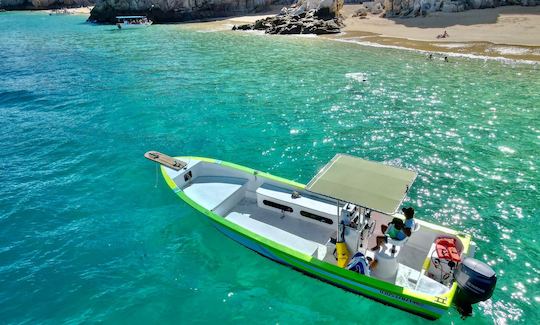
(509, 32)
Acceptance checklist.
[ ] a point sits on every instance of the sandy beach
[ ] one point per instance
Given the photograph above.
(509, 32)
(72, 11)
(513, 25)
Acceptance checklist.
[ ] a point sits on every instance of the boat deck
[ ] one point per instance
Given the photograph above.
(306, 230)
(296, 220)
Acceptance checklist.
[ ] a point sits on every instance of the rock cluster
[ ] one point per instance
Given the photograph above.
(413, 8)
(43, 4)
(304, 17)
(372, 7)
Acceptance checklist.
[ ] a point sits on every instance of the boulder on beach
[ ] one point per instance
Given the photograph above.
(304, 17)
(413, 8)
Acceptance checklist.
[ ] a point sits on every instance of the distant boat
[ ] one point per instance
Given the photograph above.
(124, 22)
(315, 229)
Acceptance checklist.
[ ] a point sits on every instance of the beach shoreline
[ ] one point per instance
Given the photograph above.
(70, 11)
(509, 32)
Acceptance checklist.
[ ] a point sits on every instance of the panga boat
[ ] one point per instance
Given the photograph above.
(328, 228)
(124, 22)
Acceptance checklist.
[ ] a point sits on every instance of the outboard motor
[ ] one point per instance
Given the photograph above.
(476, 282)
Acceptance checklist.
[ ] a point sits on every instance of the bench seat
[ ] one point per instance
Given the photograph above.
(277, 235)
(211, 191)
(284, 196)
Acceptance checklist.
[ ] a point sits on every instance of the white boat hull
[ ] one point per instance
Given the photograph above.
(132, 26)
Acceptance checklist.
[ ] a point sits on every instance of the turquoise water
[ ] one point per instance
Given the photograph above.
(89, 234)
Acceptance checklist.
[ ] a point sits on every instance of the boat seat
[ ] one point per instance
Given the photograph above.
(283, 195)
(395, 245)
(277, 235)
(211, 191)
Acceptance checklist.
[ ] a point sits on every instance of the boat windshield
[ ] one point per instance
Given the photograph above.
(362, 182)
(131, 18)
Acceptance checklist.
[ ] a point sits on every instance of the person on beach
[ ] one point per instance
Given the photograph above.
(443, 35)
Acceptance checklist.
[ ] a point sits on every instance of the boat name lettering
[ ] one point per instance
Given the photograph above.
(407, 300)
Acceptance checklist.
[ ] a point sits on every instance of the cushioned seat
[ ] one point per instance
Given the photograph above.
(284, 196)
(277, 235)
(211, 191)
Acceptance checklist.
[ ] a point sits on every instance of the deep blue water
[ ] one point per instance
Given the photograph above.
(88, 233)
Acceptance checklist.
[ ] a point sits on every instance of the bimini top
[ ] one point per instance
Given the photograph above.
(362, 182)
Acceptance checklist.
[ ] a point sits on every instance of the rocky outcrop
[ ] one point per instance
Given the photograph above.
(161, 11)
(371, 7)
(413, 8)
(304, 17)
(43, 4)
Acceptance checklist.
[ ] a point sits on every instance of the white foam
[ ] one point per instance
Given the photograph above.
(450, 54)
(505, 149)
(452, 45)
(358, 76)
(509, 50)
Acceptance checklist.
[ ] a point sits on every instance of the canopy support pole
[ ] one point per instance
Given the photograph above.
(337, 233)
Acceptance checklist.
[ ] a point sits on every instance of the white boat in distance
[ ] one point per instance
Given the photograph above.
(124, 22)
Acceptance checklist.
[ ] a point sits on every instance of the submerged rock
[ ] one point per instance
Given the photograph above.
(304, 17)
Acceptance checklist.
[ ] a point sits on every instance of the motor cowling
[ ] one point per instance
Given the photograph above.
(476, 282)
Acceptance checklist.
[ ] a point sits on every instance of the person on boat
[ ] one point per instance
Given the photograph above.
(394, 230)
(361, 264)
(408, 225)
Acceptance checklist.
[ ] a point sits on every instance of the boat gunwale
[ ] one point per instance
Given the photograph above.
(442, 301)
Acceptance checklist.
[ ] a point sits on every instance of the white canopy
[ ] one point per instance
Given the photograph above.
(366, 183)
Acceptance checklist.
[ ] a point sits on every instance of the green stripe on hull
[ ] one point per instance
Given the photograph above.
(385, 292)
(402, 302)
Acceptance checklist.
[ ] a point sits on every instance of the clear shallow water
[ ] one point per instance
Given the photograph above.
(87, 234)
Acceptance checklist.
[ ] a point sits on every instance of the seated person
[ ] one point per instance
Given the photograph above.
(393, 230)
(361, 264)
(409, 221)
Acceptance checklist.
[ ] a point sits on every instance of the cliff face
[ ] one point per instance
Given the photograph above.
(412, 8)
(43, 4)
(174, 10)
